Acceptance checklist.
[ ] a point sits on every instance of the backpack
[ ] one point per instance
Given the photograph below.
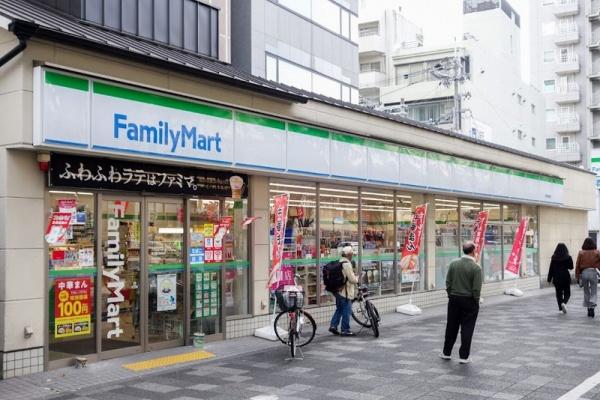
(333, 277)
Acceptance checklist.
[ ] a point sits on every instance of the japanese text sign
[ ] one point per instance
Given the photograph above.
(72, 307)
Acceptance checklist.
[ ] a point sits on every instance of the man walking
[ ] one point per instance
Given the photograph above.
(344, 295)
(463, 284)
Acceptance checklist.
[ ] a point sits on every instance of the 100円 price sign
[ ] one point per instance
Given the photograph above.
(72, 307)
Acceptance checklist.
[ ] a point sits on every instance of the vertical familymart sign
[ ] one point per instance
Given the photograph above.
(105, 116)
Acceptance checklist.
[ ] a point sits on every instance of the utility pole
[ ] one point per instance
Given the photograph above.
(450, 72)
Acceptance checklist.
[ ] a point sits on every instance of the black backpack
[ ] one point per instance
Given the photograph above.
(333, 277)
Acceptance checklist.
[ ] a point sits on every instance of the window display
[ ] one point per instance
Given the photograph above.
(492, 251)
(532, 261)
(338, 216)
(446, 237)
(300, 243)
(377, 259)
(72, 276)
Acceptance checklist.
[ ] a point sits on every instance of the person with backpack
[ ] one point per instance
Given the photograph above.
(340, 280)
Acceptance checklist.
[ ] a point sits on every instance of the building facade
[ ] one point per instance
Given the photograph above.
(381, 32)
(142, 164)
(495, 104)
(308, 44)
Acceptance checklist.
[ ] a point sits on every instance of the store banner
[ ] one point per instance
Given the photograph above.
(166, 292)
(412, 244)
(280, 211)
(101, 173)
(57, 227)
(72, 307)
(479, 232)
(516, 255)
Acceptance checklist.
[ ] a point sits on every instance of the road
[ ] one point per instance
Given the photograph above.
(522, 349)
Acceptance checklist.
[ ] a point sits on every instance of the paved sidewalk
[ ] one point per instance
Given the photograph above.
(521, 347)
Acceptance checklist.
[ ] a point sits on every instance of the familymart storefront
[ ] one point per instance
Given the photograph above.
(148, 196)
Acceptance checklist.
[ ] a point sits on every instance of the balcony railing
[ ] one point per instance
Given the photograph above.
(567, 34)
(563, 8)
(565, 119)
(567, 88)
(566, 152)
(594, 10)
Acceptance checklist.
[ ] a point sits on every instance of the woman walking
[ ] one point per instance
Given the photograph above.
(588, 260)
(559, 275)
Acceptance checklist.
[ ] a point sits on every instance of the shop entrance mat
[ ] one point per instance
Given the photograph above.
(168, 360)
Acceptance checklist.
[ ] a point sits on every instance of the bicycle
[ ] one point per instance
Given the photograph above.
(364, 311)
(293, 326)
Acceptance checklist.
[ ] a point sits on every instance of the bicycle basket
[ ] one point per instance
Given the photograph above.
(289, 300)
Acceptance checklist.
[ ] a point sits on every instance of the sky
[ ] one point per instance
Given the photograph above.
(441, 21)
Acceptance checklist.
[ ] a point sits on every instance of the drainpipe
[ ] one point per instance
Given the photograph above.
(23, 30)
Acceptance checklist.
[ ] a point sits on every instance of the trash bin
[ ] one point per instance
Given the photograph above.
(198, 340)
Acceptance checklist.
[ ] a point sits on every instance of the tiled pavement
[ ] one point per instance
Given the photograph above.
(523, 349)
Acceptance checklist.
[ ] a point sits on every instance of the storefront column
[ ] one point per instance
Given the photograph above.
(259, 243)
(429, 283)
(22, 278)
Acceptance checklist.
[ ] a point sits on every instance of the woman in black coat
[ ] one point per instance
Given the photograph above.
(558, 274)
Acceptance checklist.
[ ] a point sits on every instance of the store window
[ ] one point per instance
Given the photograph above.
(469, 210)
(72, 270)
(446, 237)
(532, 260)
(510, 218)
(235, 257)
(338, 216)
(300, 242)
(405, 204)
(377, 228)
(492, 251)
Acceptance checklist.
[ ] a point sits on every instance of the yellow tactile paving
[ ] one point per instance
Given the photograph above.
(168, 360)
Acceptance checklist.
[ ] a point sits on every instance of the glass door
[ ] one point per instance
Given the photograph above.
(165, 268)
(120, 228)
(207, 253)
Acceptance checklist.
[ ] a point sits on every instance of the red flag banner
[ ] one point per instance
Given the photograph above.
(479, 232)
(280, 210)
(514, 260)
(412, 242)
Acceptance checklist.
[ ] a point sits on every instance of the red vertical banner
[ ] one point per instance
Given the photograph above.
(514, 259)
(412, 243)
(280, 210)
(479, 232)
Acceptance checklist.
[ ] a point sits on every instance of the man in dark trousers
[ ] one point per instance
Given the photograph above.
(463, 284)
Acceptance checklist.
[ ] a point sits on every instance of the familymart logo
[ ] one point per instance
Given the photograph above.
(163, 134)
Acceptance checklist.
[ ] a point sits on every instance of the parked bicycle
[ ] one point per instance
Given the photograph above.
(293, 326)
(364, 311)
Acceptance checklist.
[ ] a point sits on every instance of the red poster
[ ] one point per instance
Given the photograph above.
(280, 209)
(412, 243)
(72, 306)
(514, 259)
(57, 227)
(479, 232)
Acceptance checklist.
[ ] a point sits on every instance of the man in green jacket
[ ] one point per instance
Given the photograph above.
(463, 284)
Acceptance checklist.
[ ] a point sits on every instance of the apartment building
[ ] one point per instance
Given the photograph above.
(495, 104)
(307, 44)
(381, 32)
(562, 67)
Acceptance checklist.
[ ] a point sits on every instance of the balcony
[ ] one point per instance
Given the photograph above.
(594, 14)
(373, 79)
(565, 152)
(371, 44)
(594, 44)
(567, 34)
(595, 136)
(595, 103)
(567, 123)
(568, 93)
(567, 65)
(565, 8)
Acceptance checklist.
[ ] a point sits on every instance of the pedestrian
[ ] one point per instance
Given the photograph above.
(463, 284)
(560, 264)
(344, 295)
(588, 260)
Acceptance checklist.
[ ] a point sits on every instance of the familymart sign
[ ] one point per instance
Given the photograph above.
(99, 116)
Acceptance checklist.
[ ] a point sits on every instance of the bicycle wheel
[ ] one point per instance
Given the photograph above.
(307, 330)
(281, 326)
(374, 317)
(359, 313)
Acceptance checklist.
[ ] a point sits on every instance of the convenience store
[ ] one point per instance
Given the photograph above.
(140, 210)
